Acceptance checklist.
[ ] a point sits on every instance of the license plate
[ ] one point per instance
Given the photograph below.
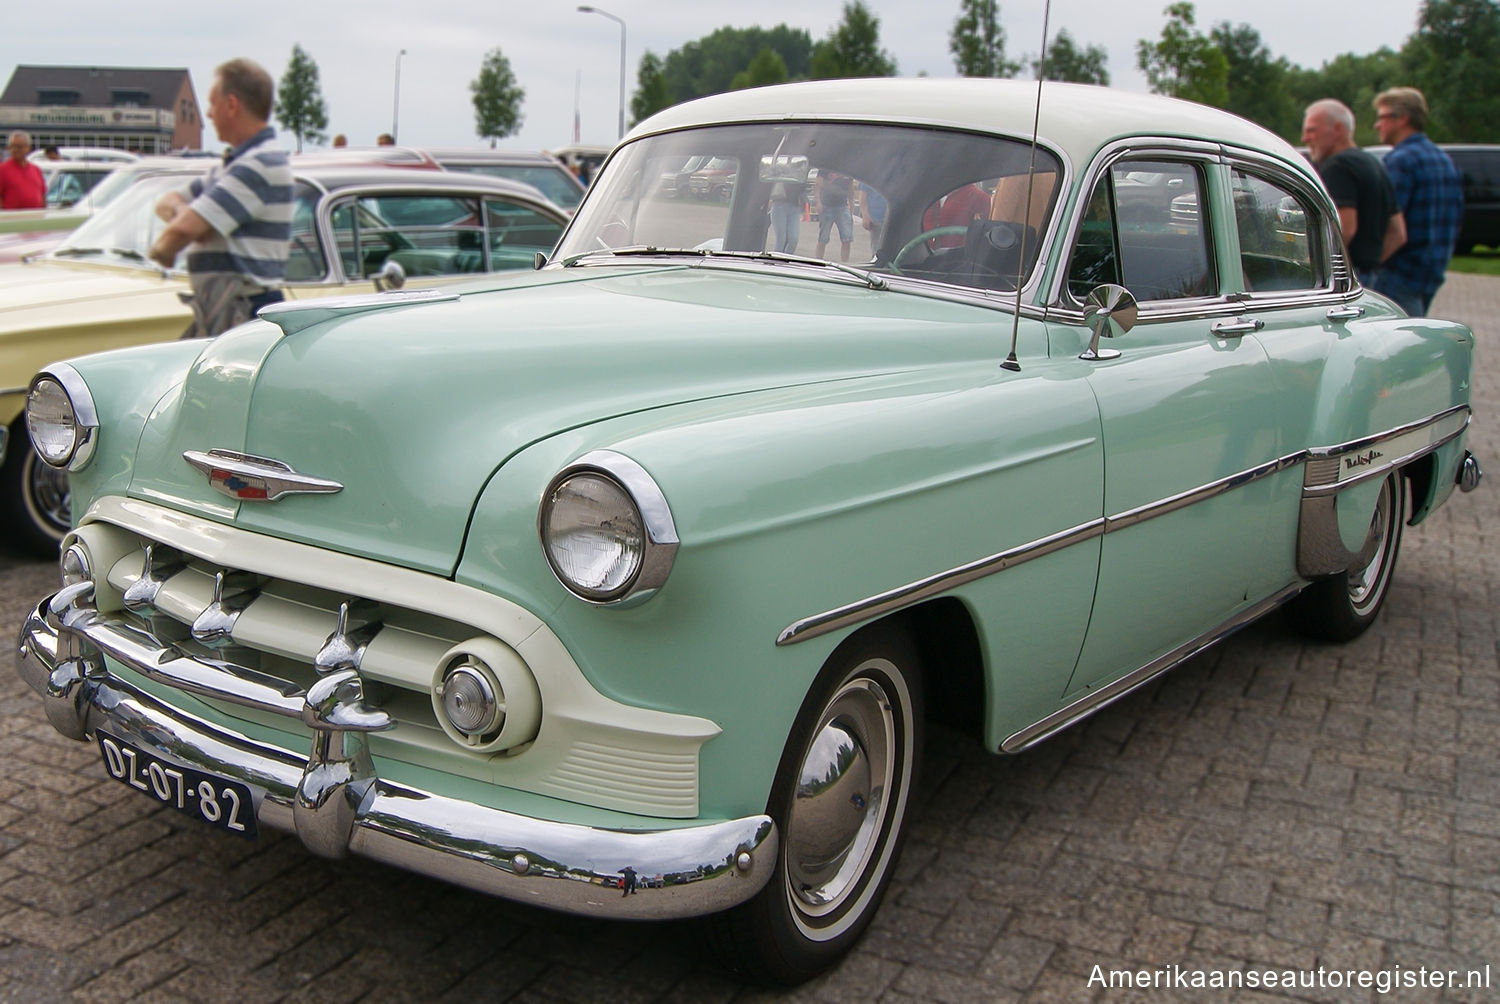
(223, 804)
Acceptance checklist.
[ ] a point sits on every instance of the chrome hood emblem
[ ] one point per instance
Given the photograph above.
(255, 479)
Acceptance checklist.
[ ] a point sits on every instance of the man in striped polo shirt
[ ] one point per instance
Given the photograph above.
(237, 219)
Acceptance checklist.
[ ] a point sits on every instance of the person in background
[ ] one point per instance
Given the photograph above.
(21, 183)
(340, 141)
(51, 152)
(1429, 195)
(1371, 224)
(238, 218)
(385, 139)
(835, 208)
(872, 209)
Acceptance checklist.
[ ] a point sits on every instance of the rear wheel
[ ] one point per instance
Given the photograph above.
(1342, 606)
(840, 801)
(33, 496)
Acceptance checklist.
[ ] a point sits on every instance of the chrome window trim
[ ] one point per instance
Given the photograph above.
(1202, 153)
(906, 595)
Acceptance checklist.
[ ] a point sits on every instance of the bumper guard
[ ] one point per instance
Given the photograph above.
(335, 803)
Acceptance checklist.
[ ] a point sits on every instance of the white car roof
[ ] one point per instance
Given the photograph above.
(1075, 118)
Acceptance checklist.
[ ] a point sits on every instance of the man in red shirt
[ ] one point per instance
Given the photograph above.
(21, 183)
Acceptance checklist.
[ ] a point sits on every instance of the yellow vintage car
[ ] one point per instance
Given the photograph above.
(356, 229)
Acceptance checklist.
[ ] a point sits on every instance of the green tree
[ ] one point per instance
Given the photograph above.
(978, 42)
(497, 98)
(651, 91)
(1258, 84)
(766, 68)
(709, 65)
(853, 48)
(1067, 62)
(1354, 80)
(1184, 63)
(1452, 59)
(299, 99)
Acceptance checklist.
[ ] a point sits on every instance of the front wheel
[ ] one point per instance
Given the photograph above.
(840, 801)
(1342, 606)
(34, 497)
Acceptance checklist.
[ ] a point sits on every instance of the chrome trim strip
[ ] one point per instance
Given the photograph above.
(1111, 692)
(11, 390)
(901, 596)
(913, 592)
(569, 867)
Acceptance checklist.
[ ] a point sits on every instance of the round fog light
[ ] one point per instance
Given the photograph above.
(469, 700)
(75, 566)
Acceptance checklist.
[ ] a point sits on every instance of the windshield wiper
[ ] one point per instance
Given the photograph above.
(871, 279)
(71, 252)
(632, 249)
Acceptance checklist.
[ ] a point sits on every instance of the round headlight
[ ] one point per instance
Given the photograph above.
(593, 534)
(51, 421)
(60, 417)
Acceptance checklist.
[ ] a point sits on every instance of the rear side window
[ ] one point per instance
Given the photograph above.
(1273, 225)
(1143, 229)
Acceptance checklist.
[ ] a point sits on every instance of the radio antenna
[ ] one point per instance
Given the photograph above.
(1011, 362)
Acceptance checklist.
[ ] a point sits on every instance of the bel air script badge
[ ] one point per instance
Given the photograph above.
(255, 479)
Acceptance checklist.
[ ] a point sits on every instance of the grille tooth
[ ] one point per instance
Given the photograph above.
(358, 623)
(159, 564)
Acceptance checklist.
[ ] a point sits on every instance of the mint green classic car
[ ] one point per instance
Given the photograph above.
(627, 585)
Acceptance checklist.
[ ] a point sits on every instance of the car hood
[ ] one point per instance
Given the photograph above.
(36, 294)
(412, 408)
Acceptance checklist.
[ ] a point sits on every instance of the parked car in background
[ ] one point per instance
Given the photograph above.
(68, 181)
(628, 586)
(97, 290)
(35, 232)
(583, 159)
(96, 153)
(540, 170)
(1480, 166)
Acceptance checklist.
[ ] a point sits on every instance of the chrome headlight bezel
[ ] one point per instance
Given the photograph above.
(647, 507)
(67, 440)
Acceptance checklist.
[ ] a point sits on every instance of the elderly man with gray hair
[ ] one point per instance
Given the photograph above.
(21, 183)
(1371, 222)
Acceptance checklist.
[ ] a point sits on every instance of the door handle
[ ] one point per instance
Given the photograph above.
(1346, 313)
(1236, 328)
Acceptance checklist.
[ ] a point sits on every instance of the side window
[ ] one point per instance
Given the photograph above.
(1143, 229)
(304, 259)
(1275, 253)
(516, 233)
(425, 234)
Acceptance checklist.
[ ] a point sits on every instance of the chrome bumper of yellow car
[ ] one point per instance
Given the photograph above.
(334, 801)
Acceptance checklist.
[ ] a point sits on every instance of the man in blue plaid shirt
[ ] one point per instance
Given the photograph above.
(1429, 193)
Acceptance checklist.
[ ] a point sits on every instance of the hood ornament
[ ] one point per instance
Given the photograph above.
(255, 479)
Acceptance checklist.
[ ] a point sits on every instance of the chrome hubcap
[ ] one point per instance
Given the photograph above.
(47, 496)
(846, 777)
(1366, 580)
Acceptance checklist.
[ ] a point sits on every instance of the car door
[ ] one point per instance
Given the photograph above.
(1183, 413)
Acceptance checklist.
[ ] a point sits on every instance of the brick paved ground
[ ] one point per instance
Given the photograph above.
(1270, 805)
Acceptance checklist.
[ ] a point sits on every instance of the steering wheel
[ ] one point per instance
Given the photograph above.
(925, 235)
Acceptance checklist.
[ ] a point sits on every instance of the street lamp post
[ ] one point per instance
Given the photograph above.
(396, 104)
(583, 9)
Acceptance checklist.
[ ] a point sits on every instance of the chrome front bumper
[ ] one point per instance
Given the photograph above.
(333, 800)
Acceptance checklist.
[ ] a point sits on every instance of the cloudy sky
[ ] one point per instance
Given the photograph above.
(555, 51)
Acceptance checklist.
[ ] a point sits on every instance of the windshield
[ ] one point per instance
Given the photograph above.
(929, 204)
(128, 225)
(555, 182)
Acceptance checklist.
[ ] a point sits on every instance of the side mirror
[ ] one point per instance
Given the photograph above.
(390, 276)
(1109, 311)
